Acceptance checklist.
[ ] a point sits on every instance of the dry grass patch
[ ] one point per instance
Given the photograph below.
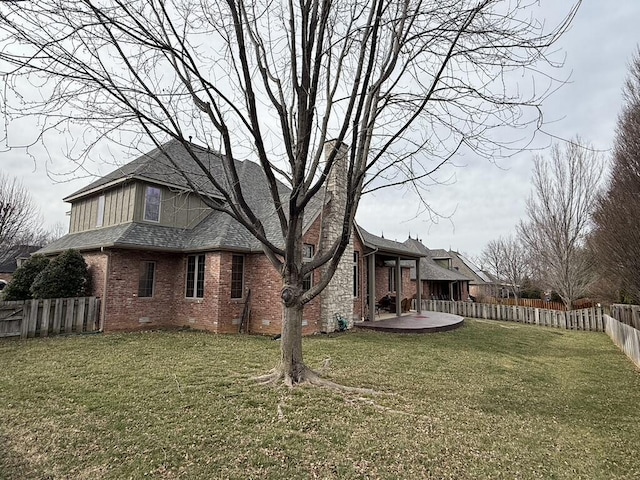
(480, 402)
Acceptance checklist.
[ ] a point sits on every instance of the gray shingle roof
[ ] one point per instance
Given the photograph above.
(469, 268)
(8, 258)
(155, 167)
(390, 246)
(217, 231)
(439, 253)
(429, 270)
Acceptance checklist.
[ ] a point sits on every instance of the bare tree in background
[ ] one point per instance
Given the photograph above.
(506, 260)
(20, 221)
(492, 261)
(565, 187)
(403, 84)
(616, 236)
(516, 265)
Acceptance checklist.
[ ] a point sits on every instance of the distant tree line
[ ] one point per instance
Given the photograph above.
(20, 218)
(64, 276)
(581, 236)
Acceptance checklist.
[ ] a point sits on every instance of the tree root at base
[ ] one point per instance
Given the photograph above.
(306, 376)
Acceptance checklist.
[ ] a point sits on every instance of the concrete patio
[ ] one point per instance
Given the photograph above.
(413, 322)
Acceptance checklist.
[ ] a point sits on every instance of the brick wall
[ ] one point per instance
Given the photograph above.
(426, 294)
(199, 313)
(97, 263)
(123, 309)
(359, 302)
(382, 282)
(408, 289)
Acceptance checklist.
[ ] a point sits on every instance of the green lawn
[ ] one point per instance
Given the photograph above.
(490, 400)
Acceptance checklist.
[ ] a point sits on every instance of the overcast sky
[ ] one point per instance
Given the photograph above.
(483, 201)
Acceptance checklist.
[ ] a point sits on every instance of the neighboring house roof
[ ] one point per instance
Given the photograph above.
(439, 253)
(384, 245)
(216, 231)
(491, 278)
(9, 258)
(429, 270)
(466, 266)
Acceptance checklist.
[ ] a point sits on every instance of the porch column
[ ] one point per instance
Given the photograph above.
(418, 287)
(371, 272)
(451, 291)
(398, 287)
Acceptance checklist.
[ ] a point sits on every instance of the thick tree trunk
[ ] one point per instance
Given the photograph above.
(291, 364)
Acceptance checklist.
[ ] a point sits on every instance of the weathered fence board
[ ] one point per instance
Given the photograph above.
(625, 337)
(42, 318)
(627, 314)
(587, 319)
(11, 319)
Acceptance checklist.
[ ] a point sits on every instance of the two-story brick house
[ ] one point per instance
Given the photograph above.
(160, 257)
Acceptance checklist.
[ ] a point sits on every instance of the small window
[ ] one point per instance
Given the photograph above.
(237, 276)
(356, 274)
(307, 281)
(308, 251)
(146, 279)
(152, 199)
(195, 276)
(100, 220)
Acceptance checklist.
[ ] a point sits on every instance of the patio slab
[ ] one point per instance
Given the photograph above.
(426, 322)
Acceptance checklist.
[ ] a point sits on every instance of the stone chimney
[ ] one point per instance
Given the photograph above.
(337, 298)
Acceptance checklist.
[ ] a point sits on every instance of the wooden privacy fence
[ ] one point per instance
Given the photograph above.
(41, 318)
(530, 302)
(589, 319)
(625, 337)
(627, 314)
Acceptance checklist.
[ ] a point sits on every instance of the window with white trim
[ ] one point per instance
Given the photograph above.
(307, 281)
(152, 200)
(308, 251)
(146, 281)
(195, 276)
(356, 274)
(100, 219)
(237, 276)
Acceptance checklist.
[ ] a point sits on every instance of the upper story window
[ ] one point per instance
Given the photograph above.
(237, 276)
(195, 276)
(100, 219)
(152, 199)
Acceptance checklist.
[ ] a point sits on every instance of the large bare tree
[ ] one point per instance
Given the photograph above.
(404, 84)
(507, 261)
(616, 236)
(565, 187)
(20, 221)
(492, 261)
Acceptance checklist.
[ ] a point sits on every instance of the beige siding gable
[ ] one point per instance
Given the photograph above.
(178, 208)
(118, 209)
(126, 203)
